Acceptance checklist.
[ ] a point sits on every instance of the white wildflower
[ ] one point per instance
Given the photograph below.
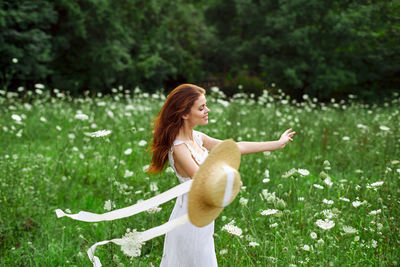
(58, 128)
(243, 201)
(377, 184)
(269, 212)
(318, 186)
(223, 251)
(289, 173)
(154, 210)
(356, 203)
(232, 229)
(128, 151)
(344, 199)
(327, 201)
(128, 174)
(306, 247)
(142, 143)
(43, 119)
(100, 133)
(71, 136)
(131, 243)
(253, 244)
(39, 86)
(303, 172)
(349, 230)
(153, 186)
(375, 212)
(313, 235)
(81, 116)
(16, 117)
(328, 182)
(273, 225)
(108, 205)
(325, 224)
(384, 128)
(328, 214)
(145, 167)
(266, 180)
(346, 138)
(266, 173)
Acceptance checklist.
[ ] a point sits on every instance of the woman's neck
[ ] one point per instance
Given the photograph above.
(185, 133)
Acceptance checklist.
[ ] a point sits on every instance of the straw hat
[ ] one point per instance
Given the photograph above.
(215, 184)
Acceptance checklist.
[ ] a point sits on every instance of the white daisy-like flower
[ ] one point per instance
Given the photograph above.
(58, 128)
(375, 212)
(328, 214)
(328, 182)
(356, 203)
(39, 86)
(266, 173)
(16, 117)
(379, 183)
(142, 143)
(349, 230)
(327, 201)
(131, 243)
(303, 172)
(232, 229)
(101, 133)
(306, 247)
(154, 210)
(384, 128)
(266, 180)
(108, 205)
(313, 235)
(243, 201)
(43, 119)
(318, 186)
(253, 244)
(81, 116)
(223, 251)
(273, 225)
(128, 151)
(269, 212)
(128, 174)
(346, 138)
(344, 199)
(153, 186)
(71, 136)
(145, 167)
(362, 126)
(289, 173)
(325, 224)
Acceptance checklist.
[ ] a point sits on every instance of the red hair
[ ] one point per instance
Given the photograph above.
(169, 121)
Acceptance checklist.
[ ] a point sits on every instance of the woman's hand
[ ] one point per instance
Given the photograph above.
(286, 137)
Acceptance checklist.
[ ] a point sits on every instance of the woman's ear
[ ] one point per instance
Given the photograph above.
(185, 117)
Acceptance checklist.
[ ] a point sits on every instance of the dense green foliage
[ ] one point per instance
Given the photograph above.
(343, 166)
(321, 48)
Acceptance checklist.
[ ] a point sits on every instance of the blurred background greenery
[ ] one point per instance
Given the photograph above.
(326, 49)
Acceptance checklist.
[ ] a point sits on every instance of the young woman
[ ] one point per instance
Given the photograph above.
(176, 141)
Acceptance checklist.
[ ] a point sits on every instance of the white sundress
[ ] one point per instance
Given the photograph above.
(188, 245)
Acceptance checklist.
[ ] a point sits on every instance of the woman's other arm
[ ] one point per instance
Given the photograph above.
(253, 147)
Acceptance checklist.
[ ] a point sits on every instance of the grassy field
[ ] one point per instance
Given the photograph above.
(329, 198)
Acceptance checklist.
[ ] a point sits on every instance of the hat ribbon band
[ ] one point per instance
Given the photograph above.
(230, 178)
(131, 210)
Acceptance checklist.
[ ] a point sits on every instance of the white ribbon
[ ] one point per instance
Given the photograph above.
(143, 236)
(131, 210)
(230, 178)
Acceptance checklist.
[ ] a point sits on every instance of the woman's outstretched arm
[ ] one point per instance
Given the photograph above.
(253, 147)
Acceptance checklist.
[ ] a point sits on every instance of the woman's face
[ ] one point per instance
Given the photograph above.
(199, 112)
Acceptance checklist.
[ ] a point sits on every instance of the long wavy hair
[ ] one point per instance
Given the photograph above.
(169, 121)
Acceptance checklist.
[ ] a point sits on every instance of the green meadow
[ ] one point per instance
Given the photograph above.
(329, 198)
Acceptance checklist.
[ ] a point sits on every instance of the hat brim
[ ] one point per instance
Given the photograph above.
(226, 153)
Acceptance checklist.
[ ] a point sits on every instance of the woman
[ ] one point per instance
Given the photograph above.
(176, 141)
